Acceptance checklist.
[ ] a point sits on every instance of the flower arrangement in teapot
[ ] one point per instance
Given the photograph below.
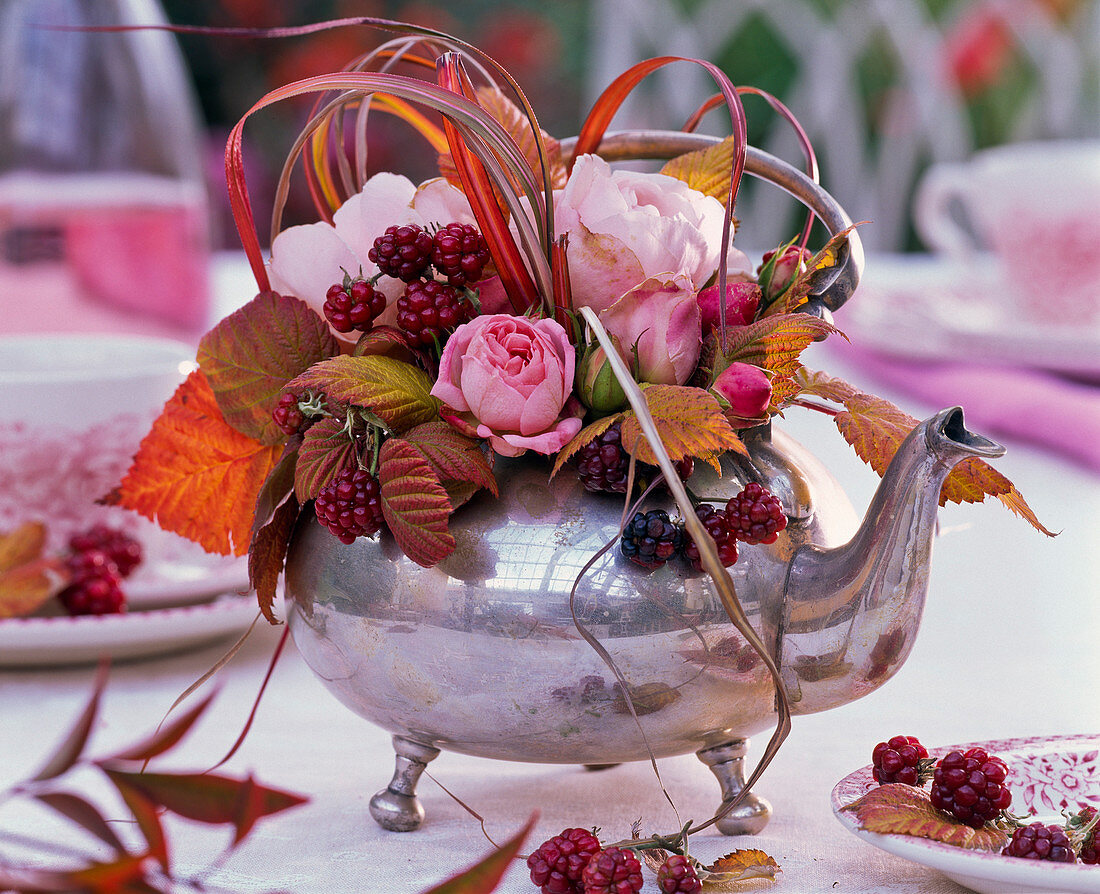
(532, 299)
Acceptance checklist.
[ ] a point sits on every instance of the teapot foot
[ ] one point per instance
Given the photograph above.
(396, 807)
(727, 763)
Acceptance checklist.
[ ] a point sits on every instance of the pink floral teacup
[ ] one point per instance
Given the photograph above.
(75, 408)
(1034, 207)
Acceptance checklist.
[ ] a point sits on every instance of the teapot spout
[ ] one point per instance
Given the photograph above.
(854, 609)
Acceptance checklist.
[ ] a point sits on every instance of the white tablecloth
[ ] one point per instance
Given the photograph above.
(1007, 648)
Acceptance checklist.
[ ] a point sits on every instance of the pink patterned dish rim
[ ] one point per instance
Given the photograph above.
(1046, 774)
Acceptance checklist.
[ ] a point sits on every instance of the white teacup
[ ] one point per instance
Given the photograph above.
(75, 409)
(1036, 208)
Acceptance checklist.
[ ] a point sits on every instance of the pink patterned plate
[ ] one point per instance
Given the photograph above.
(1045, 775)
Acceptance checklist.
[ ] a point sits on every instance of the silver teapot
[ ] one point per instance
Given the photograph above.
(483, 654)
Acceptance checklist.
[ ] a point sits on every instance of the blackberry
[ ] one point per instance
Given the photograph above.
(651, 539)
(460, 254)
(403, 252)
(94, 585)
(350, 505)
(430, 309)
(970, 786)
(122, 549)
(1040, 842)
(602, 463)
(353, 305)
(615, 870)
(557, 864)
(756, 515)
(901, 759)
(678, 876)
(719, 527)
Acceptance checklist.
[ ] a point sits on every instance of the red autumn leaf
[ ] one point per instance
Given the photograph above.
(207, 797)
(326, 451)
(163, 739)
(414, 503)
(387, 341)
(454, 456)
(484, 876)
(71, 747)
(126, 875)
(875, 428)
(197, 476)
(250, 356)
(267, 555)
(773, 343)
(896, 808)
(146, 815)
(689, 421)
(84, 814)
(395, 392)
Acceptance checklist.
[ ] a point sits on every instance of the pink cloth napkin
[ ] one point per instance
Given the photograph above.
(1028, 405)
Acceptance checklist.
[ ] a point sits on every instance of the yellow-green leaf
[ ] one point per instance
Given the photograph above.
(773, 343)
(707, 170)
(397, 393)
(689, 421)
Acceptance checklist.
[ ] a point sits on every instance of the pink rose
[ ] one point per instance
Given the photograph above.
(510, 380)
(658, 323)
(746, 389)
(742, 301)
(627, 226)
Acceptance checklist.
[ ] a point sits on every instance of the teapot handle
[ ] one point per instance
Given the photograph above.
(836, 284)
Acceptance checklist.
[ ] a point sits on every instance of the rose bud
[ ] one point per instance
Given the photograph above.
(742, 301)
(790, 264)
(597, 386)
(746, 389)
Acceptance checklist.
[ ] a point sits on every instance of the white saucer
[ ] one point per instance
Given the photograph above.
(185, 580)
(58, 641)
(1045, 775)
(924, 307)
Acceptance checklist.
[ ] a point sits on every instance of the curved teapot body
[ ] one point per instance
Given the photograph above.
(486, 653)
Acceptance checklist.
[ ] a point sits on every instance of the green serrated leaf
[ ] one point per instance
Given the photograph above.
(250, 356)
(326, 451)
(396, 392)
(414, 503)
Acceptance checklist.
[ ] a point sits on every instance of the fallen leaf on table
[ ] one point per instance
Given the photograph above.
(739, 866)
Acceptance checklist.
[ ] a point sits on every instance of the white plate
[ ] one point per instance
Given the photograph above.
(39, 642)
(923, 307)
(185, 580)
(1045, 775)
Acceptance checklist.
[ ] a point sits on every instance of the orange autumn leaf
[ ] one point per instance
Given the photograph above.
(21, 545)
(748, 863)
(899, 809)
(690, 422)
(28, 579)
(195, 475)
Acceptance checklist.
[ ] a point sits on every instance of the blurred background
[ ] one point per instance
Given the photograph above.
(884, 87)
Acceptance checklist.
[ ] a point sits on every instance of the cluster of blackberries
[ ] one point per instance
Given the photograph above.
(575, 863)
(100, 559)
(754, 516)
(603, 465)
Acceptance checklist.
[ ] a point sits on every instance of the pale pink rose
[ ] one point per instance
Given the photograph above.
(742, 301)
(746, 389)
(625, 227)
(659, 323)
(509, 379)
(307, 259)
